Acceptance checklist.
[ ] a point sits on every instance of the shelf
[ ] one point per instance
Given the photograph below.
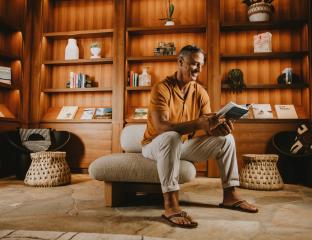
(269, 55)
(270, 86)
(6, 119)
(131, 120)
(8, 56)
(79, 61)
(242, 26)
(69, 90)
(76, 121)
(140, 88)
(5, 86)
(271, 120)
(79, 34)
(7, 26)
(171, 58)
(164, 29)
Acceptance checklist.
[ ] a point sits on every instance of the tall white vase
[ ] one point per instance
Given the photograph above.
(71, 50)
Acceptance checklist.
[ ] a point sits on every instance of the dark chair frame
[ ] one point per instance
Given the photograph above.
(58, 141)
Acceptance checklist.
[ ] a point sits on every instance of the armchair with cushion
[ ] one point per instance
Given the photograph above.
(130, 172)
(58, 140)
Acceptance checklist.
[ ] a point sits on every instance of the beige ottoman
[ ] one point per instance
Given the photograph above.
(260, 172)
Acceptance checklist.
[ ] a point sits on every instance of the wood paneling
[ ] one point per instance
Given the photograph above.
(88, 142)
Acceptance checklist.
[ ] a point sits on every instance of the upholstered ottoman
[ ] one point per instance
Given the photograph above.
(130, 171)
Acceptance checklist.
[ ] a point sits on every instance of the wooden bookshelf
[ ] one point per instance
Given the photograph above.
(79, 34)
(108, 60)
(139, 88)
(270, 86)
(69, 90)
(271, 25)
(270, 55)
(5, 55)
(166, 29)
(149, 59)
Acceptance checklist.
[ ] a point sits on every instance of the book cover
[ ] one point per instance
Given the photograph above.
(103, 113)
(262, 111)
(87, 113)
(140, 113)
(232, 111)
(286, 111)
(67, 113)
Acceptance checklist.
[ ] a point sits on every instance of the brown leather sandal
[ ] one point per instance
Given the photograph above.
(238, 206)
(181, 214)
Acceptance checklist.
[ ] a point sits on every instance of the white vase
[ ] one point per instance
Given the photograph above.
(71, 50)
(259, 12)
(95, 51)
(169, 23)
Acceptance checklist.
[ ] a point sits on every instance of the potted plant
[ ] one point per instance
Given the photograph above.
(235, 80)
(95, 49)
(169, 12)
(259, 10)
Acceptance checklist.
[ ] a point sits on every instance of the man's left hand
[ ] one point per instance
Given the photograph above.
(223, 129)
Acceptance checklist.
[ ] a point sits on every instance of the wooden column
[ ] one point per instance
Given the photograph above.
(118, 71)
(213, 64)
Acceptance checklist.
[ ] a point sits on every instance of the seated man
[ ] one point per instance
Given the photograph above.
(179, 107)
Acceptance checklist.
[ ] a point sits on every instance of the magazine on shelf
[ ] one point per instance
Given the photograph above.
(140, 113)
(5, 75)
(67, 113)
(262, 111)
(232, 111)
(286, 111)
(87, 113)
(103, 113)
(1, 115)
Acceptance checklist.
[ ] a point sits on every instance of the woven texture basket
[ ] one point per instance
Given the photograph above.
(48, 169)
(260, 172)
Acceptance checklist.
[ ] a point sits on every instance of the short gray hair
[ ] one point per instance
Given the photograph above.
(190, 49)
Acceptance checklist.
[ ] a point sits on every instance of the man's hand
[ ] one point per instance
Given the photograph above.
(224, 128)
(208, 122)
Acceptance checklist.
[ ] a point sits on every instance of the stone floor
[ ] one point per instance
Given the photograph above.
(79, 207)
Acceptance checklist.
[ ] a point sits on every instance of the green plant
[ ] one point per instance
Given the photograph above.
(169, 12)
(235, 80)
(95, 45)
(250, 2)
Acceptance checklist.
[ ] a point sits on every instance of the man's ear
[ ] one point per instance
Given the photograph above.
(180, 61)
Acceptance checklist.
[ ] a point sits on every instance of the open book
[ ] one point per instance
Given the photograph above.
(232, 111)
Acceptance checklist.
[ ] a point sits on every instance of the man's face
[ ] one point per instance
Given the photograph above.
(190, 66)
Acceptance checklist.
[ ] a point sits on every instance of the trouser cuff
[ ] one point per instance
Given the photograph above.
(170, 188)
(232, 183)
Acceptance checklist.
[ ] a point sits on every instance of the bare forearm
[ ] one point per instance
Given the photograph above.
(182, 128)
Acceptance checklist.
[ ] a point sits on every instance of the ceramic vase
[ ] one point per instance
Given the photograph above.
(71, 50)
(95, 52)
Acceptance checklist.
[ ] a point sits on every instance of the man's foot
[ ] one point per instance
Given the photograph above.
(240, 205)
(181, 219)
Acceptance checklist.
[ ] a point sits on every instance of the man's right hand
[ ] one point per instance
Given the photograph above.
(209, 122)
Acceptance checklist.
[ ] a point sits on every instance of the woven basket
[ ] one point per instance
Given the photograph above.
(48, 169)
(260, 172)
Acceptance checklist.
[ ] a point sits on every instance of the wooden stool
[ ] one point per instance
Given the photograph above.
(260, 172)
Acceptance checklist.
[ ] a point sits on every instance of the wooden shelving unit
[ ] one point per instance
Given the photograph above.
(166, 30)
(270, 86)
(79, 34)
(70, 90)
(139, 88)
(150, 59)
(79, 61)
(270, 55)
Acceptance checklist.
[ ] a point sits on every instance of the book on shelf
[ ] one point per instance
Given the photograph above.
(286, 111)
(5, 75)
(67, 113)
(1, 115)
(232, 111)
(263, 42)
(103, 113)
(87, 113)
(140, 113)
(262, 111)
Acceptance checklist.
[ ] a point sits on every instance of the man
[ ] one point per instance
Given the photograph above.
(179, 107)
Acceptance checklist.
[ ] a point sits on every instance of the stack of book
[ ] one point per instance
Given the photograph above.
(78, 80)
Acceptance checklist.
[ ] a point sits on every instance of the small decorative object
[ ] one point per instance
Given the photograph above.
(48, 169)
(288, 77)
(263, 42)
(145, 78)
(235, 80)
(169, 12)
(95, 49)
(165, 49)
(260, 172)
(259, 10)
(71, 50)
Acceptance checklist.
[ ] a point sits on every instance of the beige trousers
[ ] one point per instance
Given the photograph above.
(167, 149)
